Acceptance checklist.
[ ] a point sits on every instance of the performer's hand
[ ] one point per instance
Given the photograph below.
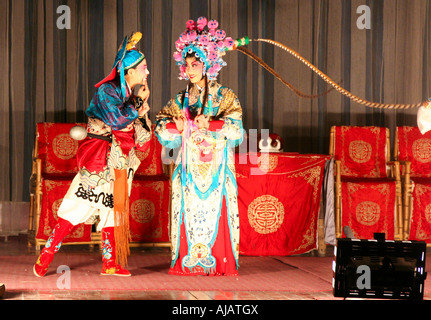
(144, 109)
(202, 121)
(144, 92)
(179, 122)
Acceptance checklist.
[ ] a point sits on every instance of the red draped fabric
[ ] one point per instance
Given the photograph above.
(92, 154)
(57, 149)
(420, 227)
(278, 200)
(362, 151)
(150, 157)
(369, 207)
(367, 195)
(149, 210)
(415, 147)
(126, 139)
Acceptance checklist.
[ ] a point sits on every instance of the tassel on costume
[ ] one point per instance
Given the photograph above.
(110, 266)
(121, 214)
(61, 230)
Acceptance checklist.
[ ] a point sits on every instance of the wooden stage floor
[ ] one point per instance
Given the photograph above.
(310, 268)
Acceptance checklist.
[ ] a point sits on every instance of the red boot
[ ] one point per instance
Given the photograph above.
(61, 230)
(110, 267)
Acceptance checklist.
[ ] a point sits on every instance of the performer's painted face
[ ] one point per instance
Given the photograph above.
(143, 71)
(140, 73)
(194, 69)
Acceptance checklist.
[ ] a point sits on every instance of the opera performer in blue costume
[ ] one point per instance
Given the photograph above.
(204, 123)
(118, 124)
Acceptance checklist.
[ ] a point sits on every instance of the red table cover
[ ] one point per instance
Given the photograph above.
(278, 199)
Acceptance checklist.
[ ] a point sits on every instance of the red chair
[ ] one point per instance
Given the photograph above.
(54, 167)
(413, 151)
(367, 185)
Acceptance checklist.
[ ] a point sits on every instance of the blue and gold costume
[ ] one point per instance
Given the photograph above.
(205, 220)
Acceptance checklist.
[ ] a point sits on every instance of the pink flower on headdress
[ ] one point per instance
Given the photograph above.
(179, 44)
(204, 39)
(202, 22)
(212, 71)
(220, 44)
(228, 42)
(191, 25)
(191, 35)
(220, 34)
(212, 24)
(178, 56)
(213, 56)
(183, 37)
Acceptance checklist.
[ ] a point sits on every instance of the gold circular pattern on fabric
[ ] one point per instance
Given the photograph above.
(55, 206)
(266, 214)
(428, 213)
(267, 162)
(142, 211)
(64, 147)
(360, 151)
(421, 150)
(368, 213)
(199, 251)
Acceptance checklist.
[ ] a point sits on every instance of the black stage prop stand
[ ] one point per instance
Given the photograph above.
(379, 268)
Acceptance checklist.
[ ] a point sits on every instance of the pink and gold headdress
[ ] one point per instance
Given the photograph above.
(207, 43)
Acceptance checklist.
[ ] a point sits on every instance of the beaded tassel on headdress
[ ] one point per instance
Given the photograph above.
(185, 136)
